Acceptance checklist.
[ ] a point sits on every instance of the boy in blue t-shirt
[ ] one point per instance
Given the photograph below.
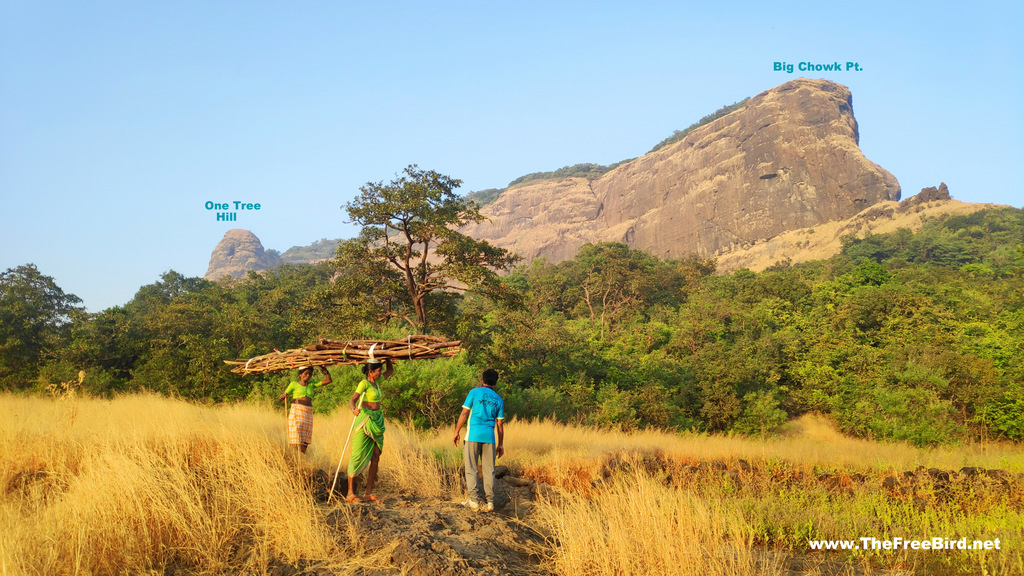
(485, 411)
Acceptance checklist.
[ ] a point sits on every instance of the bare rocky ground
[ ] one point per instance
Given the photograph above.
(438, 538)
(435, 536)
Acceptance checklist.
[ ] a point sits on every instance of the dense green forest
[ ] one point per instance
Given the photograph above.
(905, 336)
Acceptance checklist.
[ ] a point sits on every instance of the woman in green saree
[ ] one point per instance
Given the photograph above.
(368, 438)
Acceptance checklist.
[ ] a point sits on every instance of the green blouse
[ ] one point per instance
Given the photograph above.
(297, 390)
(373, 393)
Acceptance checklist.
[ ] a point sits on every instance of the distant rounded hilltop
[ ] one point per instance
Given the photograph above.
(237, 253)
(240, 251)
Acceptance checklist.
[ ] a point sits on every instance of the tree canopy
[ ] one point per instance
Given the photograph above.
(35, 317)
(907, 336)
(410, 240)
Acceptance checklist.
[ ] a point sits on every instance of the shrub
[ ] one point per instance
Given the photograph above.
(761, 415)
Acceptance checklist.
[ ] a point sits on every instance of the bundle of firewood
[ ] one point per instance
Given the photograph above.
(327, 352)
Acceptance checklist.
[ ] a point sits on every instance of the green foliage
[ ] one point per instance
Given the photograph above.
(35, 320)
(615, 282)
(484, 197)
(587, 170)
(917, 337)
(430, 394)
(410, 240)
(1003, 413)
(761, 415)
(914, 415)
(680, 134)
(322, 249)
(184, 338)
(894, 338)
(984, 241)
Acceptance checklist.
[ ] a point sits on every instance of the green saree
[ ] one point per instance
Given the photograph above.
(370, 433)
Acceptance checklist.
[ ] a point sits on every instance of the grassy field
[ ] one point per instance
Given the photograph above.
(148, 485)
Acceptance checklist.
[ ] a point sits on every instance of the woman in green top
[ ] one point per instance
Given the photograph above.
(300, 417)
(368, 440)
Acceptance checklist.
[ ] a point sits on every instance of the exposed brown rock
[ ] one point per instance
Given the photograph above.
(930, 194)
(543, 218)
(787, 160)
(238, 252)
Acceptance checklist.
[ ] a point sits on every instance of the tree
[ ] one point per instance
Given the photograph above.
(615, 280)
(176, 335)
(35, 315)
(410, 240)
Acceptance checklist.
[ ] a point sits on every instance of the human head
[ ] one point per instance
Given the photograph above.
(371, 366)
(308, 369)
(490, 377)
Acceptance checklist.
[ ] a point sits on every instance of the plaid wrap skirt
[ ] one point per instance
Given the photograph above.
(300, 425)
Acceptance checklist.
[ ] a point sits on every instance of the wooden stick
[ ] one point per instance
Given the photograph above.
(327, 352)
(345, 447)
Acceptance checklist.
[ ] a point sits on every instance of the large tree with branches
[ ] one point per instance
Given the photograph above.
(410, 246)
(35, 320)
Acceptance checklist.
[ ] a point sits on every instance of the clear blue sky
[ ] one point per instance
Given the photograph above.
(120, 120)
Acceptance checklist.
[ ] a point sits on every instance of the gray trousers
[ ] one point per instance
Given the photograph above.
(485, 452)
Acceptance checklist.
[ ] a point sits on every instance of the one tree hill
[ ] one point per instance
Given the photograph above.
(788, 159)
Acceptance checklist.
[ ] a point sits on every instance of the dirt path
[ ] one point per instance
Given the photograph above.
(437, 537)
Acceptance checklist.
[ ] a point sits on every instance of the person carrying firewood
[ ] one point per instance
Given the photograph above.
(368, 440)
(300, 417)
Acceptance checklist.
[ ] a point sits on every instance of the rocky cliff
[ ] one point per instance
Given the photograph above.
(238, 252)
(789, 159)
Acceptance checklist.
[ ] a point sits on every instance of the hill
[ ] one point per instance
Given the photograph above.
(787, 159)
(240, 251)
(825, 240)
(775, 177)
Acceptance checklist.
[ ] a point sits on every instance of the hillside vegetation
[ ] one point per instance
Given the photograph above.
(322, 249)
(591, 171)
(587, 170)
(917, 337)
(680, 134)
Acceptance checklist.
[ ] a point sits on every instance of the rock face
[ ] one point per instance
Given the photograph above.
(788, 159)
(238, 252)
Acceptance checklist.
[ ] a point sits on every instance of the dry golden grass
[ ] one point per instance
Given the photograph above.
(630, 505)
(141, 484)
(824, 240)
(810, 443)
(637, 525)
(145, 485)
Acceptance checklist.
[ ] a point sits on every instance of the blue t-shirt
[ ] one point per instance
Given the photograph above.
(485, 406)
